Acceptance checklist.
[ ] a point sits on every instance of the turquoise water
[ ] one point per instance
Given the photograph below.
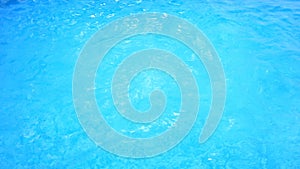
(257, 42)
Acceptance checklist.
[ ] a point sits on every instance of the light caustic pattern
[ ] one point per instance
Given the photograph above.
(99, 45)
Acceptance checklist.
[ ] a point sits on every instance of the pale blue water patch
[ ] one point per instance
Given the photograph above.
(144, 83)
(258, 43)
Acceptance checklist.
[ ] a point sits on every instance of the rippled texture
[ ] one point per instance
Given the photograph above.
(258, 43)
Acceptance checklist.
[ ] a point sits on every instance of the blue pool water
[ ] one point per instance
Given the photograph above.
(258, 43)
